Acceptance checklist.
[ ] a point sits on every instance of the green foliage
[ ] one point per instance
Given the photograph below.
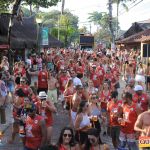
(83, 30)
(4, 4)
(102, 22)
(42, 3)
(67, 24)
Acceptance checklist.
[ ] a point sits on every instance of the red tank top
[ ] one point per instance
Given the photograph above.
(42, 79)
(33, 132)
(130, 116)
(47, 116)
(105, 99)
(25, 88)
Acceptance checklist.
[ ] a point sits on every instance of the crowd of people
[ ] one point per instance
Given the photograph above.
(87, 85)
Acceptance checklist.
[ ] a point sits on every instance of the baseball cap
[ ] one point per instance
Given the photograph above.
(42, 95)
(138, 88)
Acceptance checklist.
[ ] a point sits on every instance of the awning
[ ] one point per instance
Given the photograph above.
(4, 46)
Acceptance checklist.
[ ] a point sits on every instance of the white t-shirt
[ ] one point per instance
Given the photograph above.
(77, 81)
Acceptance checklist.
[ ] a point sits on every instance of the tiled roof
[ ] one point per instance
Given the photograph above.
(136, 38)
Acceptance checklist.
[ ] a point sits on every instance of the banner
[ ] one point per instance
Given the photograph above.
(144, 141)
(44, 36)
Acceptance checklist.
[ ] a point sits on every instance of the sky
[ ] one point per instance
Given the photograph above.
(82, 8)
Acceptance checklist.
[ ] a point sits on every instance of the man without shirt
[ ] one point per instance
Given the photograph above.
(143, 124)
(52, 88)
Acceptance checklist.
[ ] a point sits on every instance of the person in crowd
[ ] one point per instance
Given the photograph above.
(140, 98)
(3, 100)
(23, 85)
(42, 79)
(114, 112)
(53, 85)
(4, 63)
(68, 94)
(91, 89)
(82, 123)
(62, 80)
(95, 77)
(66, 140)
(94, 142)
(95, 112)
(79, 69)
(140, 76)
(148, 77)
(129, 72)
(35, 130)
(104, 98)
(142, 123)
(77, 97)
(49, 60)
(46, 110)
(39, 62)
(18, 105)
(76, 80)
(129, 115)
(20, 70)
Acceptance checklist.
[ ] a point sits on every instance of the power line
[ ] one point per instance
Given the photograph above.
(132, 7)
(130, 4)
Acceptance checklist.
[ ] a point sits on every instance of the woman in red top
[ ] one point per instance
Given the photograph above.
(79, 70)
(20, 69)
(68, 93)
(105, 96)
(66, 140)
(46, 110)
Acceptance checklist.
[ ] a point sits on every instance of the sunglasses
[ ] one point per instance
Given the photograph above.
(69, 135)
(22, 81)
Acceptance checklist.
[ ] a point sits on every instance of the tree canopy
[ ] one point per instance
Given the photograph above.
(5, 4)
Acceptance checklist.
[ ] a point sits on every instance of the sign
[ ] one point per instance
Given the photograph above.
(3, 46)
(144, 141)
(44, 36)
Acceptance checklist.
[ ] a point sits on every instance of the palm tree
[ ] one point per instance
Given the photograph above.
(123, 4)
(95, 17)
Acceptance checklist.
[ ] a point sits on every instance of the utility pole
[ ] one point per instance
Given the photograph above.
(110, 20)
(90, 28)
(58, 28)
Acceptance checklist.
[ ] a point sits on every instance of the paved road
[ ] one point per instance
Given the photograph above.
(60, 121)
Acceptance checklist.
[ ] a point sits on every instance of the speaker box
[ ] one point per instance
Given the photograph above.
(146, 50)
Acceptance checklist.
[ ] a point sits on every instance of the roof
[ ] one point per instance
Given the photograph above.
(23, 34)
(136, 28)
(136, 38)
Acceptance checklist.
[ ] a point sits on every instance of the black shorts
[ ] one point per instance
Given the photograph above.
(148, 79)
(115, 132)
